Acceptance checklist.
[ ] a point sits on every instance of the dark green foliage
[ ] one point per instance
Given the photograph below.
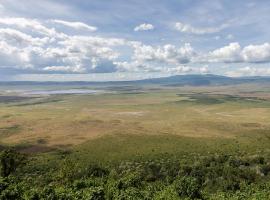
(168, 193)
(68, 171)
(188, 187)
(265, 169)
(10, 160)
(32, 194)
(96, 171)
(197, 177)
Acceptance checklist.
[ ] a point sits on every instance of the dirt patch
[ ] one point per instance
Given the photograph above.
(251, 125)
(35, 149)
(224, 114)
(138, 113)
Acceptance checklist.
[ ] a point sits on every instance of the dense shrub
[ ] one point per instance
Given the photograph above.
(10, 161)
(209, 177)
(188, 187)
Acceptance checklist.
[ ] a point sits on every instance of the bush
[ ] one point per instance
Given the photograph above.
(10, 161)
(265, 169)
(96, 171)
(188, 187)
(94, 193)
(213, 177)
(168, 193)
(12, 192)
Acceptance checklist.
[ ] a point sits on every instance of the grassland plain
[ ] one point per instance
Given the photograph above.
(145, 124)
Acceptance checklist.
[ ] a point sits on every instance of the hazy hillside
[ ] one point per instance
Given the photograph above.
(177, 80)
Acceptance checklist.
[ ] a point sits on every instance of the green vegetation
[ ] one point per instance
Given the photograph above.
(193, 176)
(138, 143)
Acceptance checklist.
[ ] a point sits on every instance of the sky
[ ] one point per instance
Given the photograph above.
(100, 40)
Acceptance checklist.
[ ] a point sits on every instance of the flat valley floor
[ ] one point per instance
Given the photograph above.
(137, 142)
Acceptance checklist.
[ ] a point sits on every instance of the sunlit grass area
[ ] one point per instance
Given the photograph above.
(73, 119)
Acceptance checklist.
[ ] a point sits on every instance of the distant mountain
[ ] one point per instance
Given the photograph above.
(177, 80)
(204, 80)
(194, 80)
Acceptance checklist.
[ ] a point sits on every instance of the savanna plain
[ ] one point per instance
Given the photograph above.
(135, 142)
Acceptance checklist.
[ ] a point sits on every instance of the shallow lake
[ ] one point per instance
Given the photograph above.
(67, 91)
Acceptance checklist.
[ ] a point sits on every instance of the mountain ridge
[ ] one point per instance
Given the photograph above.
(181, 80)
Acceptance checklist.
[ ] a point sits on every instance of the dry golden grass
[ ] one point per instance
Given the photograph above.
(78, 118)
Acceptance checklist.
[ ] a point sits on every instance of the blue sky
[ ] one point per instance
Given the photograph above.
(132, 39)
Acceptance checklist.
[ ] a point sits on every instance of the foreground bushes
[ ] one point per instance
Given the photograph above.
(211, 177)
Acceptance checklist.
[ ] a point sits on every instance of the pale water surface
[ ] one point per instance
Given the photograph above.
(66, 91)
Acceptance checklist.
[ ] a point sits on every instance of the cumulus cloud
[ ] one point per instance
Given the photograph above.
(257, 53)
(52, 51)
(167, 53)
(13, 57)
(187, 28)
(169, 57)
(137, 66)
(233, 53)
(16, 37)
(144, 27)
(230, 53)
(166, 58)
(32, 46)
(75, 25)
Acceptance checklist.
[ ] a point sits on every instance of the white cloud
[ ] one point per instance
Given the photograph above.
(52, 51)
(179, 69)
(16, 37)
(230, 53)
(12, 56)
(76, 25)
(30, 25)
(31, 45)
(249, 71)
(187, 28)
(204, 70)
(136, 66)
(167, 53)
(144, 27)
(257, 53)
(62, 69)
(167, 58)
(233, 53)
